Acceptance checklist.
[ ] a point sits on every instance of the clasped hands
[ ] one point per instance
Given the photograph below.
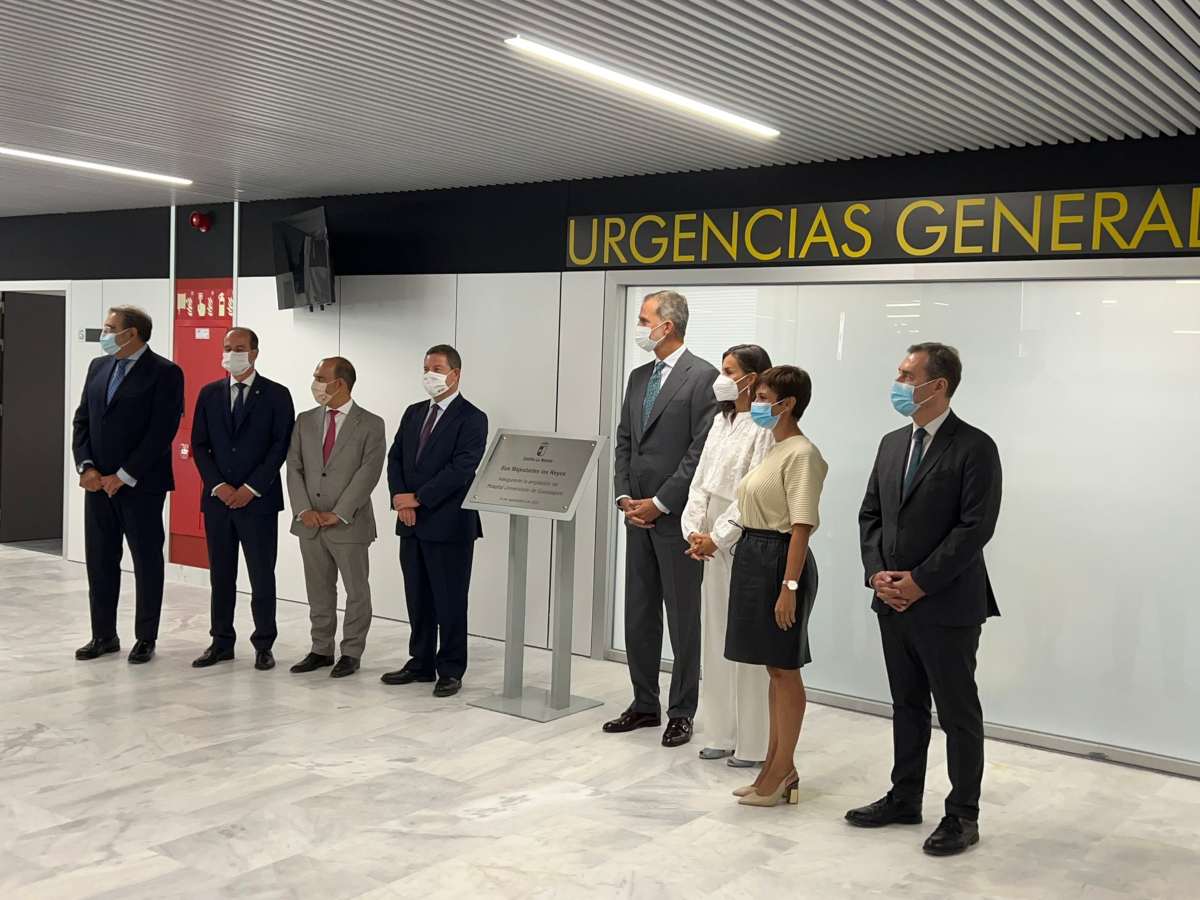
(701, 547)
(91, 481)
(640, 513)
(406, 506)
(897, 589)
(313, 519)
(234, 498)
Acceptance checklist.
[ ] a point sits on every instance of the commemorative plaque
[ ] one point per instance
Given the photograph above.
(524, 475)
(532, 474)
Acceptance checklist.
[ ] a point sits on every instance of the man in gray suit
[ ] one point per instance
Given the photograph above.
(334, 462)
(668, 408)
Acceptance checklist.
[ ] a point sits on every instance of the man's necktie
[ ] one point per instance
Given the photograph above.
(330, 435)
(918, 453)
(652, 390)
(118, 376)
(427, 428)
(239, 404)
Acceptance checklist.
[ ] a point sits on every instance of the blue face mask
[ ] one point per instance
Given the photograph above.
(109, 343)
(760, 414)
(902, 397)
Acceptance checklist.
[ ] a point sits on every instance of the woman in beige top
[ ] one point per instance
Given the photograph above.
(774, 580)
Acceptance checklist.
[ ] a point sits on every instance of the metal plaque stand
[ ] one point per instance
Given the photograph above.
(515, 699)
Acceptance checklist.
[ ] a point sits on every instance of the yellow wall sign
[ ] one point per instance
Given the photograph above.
(1110, 222)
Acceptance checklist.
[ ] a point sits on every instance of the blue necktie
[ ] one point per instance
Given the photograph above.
(652, 391)
(918, 454)
(118, 376)
(239, 404)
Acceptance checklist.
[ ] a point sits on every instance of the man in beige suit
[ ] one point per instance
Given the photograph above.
(334, 461)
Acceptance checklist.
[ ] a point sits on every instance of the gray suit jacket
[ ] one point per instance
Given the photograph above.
(658, 458)
(342, 487)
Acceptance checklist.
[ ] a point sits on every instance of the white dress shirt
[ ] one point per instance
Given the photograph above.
(342, 411)
(668, 367)
(443, 405)
(233, 383)
(121, 473)
(931, 431)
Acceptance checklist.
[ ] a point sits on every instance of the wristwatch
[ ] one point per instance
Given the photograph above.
(792, 585)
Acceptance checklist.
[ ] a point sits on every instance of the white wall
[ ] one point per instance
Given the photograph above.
(508, 329)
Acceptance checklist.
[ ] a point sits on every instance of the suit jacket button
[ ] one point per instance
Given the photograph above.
(318, 495)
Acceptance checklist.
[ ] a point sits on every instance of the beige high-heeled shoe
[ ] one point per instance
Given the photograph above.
(788, 790)
(749, 789)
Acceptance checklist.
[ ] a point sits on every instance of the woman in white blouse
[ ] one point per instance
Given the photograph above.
(733, 697)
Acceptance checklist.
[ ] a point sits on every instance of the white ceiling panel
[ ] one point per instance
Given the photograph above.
(257, 99)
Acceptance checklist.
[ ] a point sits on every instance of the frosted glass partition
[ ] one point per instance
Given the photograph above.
(1089, 388)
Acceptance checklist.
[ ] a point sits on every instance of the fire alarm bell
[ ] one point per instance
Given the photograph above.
(201, 221)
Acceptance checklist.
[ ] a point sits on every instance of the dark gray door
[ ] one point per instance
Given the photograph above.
(32, 416)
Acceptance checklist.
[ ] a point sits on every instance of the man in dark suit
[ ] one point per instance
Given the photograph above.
(433, 459)
(668, 408)
(240, 437)
(130, 410)
(931, 506)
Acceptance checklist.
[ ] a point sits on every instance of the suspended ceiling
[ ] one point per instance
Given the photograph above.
(260, 99)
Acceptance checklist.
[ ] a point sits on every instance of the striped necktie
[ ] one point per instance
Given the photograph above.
(918, 454)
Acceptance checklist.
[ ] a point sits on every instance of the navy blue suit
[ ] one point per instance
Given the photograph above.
(436, 554)
(247, 451)
(133, 433)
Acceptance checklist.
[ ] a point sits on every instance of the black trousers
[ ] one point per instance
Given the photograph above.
(258, 537)
(924, 660)
(437, 580)
(657, 575)
(107, 521)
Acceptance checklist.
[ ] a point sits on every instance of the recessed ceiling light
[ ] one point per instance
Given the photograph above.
(638, 86)
(94, 167)
(905, 316)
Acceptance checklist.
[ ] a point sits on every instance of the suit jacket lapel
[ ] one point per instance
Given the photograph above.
(892, 476)
(453, 412)
(637, 399)
(133, 371)
(344, 433)
(671, 388)
(227, 405)
(942, 441)
(252, 394)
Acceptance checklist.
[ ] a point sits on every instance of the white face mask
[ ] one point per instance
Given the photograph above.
(434, 383)
(319, 392)
(235, 362)
(641, 337)
(726, 390)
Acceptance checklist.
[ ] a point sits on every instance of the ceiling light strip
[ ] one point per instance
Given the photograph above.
(644, 88)
(94, 167)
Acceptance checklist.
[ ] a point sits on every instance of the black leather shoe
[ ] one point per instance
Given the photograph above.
(211, 657)
(447, 686)
(347, 665)
(142, 652)
(312, 662)
(405, 676)
(887, 811)
(953, 835)
(264, 660)
(630, 721)
(95, 648)
(678, 733)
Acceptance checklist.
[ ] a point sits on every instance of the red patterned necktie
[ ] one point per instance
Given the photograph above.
(330, 435)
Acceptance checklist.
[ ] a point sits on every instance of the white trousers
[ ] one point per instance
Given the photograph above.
(733, 713)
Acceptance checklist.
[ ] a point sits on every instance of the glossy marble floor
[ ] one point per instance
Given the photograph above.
(162, 781)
